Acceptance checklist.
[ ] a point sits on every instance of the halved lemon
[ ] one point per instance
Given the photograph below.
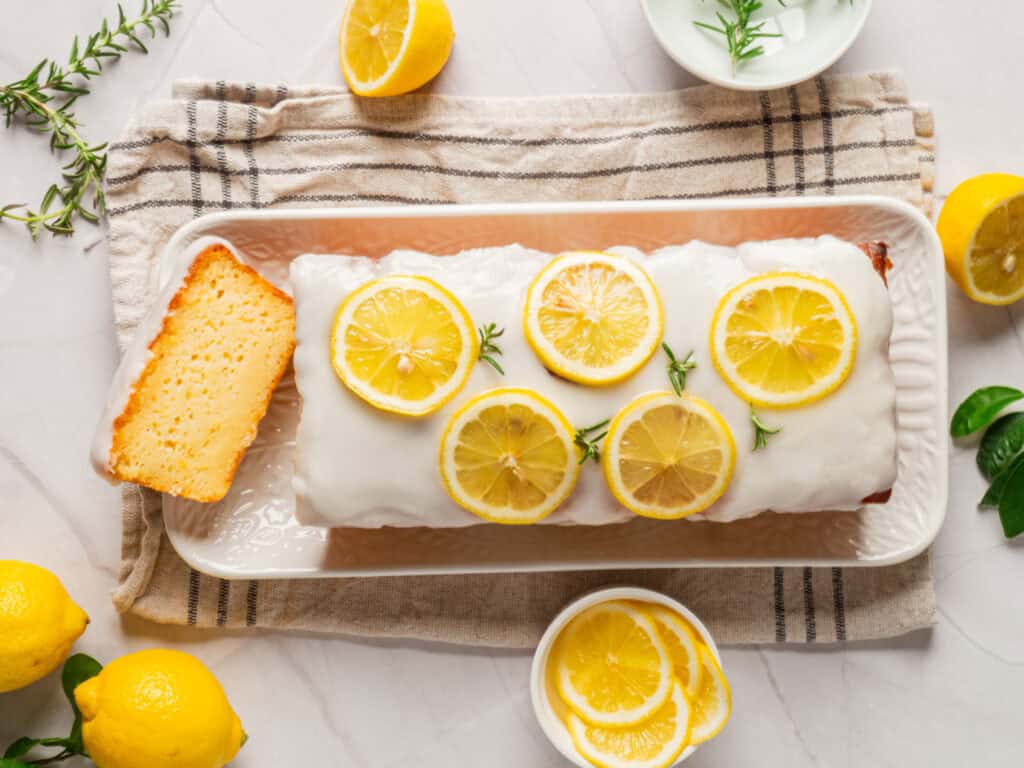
(388, 47)
(593, 318)
(667, 456)
(712, 704)
(508, 456)
(611, 667)
(981, 227)
(681, 642)
(783, 339)
(655, 743)
(403, 344)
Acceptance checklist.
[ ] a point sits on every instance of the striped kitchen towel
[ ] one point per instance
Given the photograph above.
(217, 146)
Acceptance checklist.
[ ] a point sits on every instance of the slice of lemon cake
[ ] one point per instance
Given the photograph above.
(197, 379)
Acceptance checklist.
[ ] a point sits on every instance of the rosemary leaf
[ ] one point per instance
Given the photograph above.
(45, 106)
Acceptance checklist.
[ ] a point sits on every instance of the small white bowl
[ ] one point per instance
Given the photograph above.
(815, 33)
(546, 701)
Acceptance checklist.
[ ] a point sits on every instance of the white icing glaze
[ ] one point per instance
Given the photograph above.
(360, 467)
(136, 354)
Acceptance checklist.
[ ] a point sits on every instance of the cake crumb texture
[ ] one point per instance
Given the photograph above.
(226, 340)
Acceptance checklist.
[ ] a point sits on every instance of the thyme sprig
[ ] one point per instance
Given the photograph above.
(587, 442)
(488, 349)
(761, 430)
(677, 369)
(43, 100)
(741, 33)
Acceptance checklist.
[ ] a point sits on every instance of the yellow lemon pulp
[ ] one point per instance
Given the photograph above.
(783, 339)
(508, 456)
(981, 227)
(158, 708)
(404, 344)
(388, 47)
(667, 456)
(611, 666)
(712, 703)
(38, 623)
(655, 743)
(593, 318)
(681, 643)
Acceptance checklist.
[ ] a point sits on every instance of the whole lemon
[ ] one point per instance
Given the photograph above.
(38, 623)
(158, 709)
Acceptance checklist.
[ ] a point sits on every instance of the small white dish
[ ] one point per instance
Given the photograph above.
(814, 34)
(545, 699)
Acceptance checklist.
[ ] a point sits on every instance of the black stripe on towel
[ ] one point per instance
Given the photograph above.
(250, 156)
(809, 620)
(780, 606)
(798, 141)
(768, 131)
(251, 597)
(223, 596)
(839, 603)
(193, 160)
(512, 141)
(193, 596)
(827, 136)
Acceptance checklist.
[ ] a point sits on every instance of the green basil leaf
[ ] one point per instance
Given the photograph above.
(21, 747)
(1001, 443)
(77, 669)
(995, 491)
(980, 407)
(1011, 504)
(6, 762)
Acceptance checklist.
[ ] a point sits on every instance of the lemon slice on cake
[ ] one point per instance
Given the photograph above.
(611, 667)
(982, 231)
(404, 344)
(682, 645)
(593, 318)
(783, 339)
(712, 703)
(668, 457)
(655, 743)
(388, 47)
(508, 456)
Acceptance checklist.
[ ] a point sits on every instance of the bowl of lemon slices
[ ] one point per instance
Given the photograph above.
(627, 677)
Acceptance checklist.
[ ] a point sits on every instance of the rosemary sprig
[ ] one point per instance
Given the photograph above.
(488, 348)
(742, 33)
(43, 99)
(761, 430)
(588, 443)
(677, 369)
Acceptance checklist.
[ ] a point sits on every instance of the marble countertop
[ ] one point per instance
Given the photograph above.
(949, 696)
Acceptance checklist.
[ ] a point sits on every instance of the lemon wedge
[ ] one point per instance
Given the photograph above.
(712, 704)
(611, 667)
(655, 743)
(508, 456)
(981, 227)
(667, 456)
(783, 339)
(593, 318)
(682, 643)
(388, 47)
(403, 344)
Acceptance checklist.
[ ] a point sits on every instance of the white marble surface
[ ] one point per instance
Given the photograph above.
(947, 697)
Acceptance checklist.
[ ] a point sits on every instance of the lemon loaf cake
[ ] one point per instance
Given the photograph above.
(197, 379)
(358, 466)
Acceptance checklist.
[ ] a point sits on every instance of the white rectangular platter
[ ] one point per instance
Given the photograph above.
(252, 532)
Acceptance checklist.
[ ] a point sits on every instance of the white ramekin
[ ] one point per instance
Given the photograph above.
(543, 708)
